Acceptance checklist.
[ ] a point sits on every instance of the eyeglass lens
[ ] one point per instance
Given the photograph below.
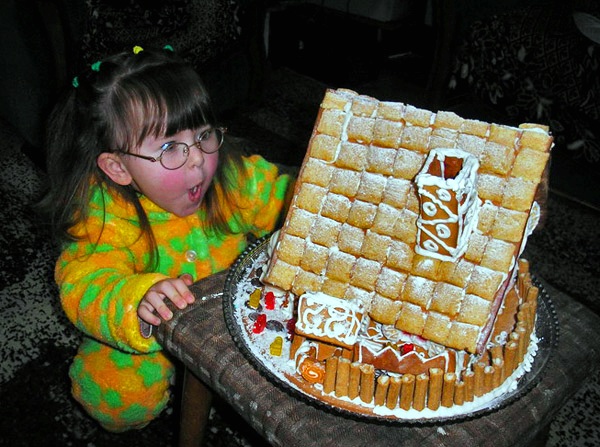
(176, 154)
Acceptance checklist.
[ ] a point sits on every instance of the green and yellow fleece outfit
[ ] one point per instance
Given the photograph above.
(121, 378)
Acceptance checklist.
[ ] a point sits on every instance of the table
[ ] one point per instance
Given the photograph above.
(198, 336)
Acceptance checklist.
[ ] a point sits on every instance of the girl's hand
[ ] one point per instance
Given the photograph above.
(153, 303)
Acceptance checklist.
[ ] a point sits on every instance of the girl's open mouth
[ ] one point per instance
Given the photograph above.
(195, 193)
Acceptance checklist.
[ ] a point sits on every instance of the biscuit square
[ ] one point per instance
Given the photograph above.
(393, 111)
(381, 160)
(443, 138)
(345, 182)
(405, 228)
(484, 282)
(472, 144)
(535, 137)
(499, 255)
(387, 133)
(437, 327)
(325, 231)
(371, 187)
(408, 164)
(390, 283)
(352, 156)
(496, 158)
(504, 135)
(335, 288)
(400, 256)
(418, 117)
(475, 127)
(310, 197)
(290, 249)
(360, 130)
(530, 164)
(487, 216)
(509, 225)
(363, 105)
(282, 274)
(474, 310)
(336, 99)
(476, 247)
(351, 239)
(323, 147)
(426, 267)
(331, 122)
(375, 246)
(340, 265)
(411, 319)
(385, 219)
(336, 207)
(314, 258)
(362, 214)
(317, 172)
(306, 282)
(396, 192)
(519, 194)
(447, 299)
(418, 290)
(300, 222)
(457, 273)
(490, 187)
(365, 273)
(463, 336)
(416, 138)
(449, 120)
(361, 295)
(384, 310)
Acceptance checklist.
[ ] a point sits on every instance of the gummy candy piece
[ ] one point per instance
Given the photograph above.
(254, 299)
(276, 347)
(270, 301)
(406, 348)
(260, 324)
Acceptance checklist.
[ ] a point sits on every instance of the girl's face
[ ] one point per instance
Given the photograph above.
(179, 191)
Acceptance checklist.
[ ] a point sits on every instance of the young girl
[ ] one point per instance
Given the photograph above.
(146, 197)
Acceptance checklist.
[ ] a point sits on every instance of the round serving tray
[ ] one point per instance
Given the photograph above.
(242, 278)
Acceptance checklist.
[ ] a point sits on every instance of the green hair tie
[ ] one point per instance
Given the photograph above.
(168, 48)
(96, 66)
(75, 82)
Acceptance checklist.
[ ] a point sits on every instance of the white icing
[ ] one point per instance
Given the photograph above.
(466, 217)
(326, 316)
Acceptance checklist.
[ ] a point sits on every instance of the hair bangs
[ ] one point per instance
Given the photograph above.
(158, 105)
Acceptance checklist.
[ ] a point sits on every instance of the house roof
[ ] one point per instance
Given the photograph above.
(351, 231)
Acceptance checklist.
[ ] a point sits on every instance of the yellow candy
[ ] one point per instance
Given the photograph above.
(276, 346)
(254, 299)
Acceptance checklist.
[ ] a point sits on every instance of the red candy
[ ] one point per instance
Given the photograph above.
(260, 324)
(270, 301)
(406, 348)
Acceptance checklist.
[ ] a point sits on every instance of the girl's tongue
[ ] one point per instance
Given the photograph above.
(194, 193)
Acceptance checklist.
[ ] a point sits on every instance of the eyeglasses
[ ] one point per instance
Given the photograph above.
(174, 154)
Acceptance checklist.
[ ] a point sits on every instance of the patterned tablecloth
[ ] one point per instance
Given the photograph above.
(199, 337)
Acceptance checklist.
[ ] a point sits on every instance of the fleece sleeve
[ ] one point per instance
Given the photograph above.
(100, 292)
(263, 196)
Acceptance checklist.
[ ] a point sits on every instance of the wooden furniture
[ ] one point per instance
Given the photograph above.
(198, 336)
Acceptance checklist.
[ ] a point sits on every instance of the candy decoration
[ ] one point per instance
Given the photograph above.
(260, 324)
(270, 301)
(276, 347)
(254, 299)
(406, 348)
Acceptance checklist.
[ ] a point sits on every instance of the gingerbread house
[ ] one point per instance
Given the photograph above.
(410, 218)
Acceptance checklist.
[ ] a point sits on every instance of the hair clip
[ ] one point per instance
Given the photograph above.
(168, 48)
(75, 82)
(96, 66)
(137, 49)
